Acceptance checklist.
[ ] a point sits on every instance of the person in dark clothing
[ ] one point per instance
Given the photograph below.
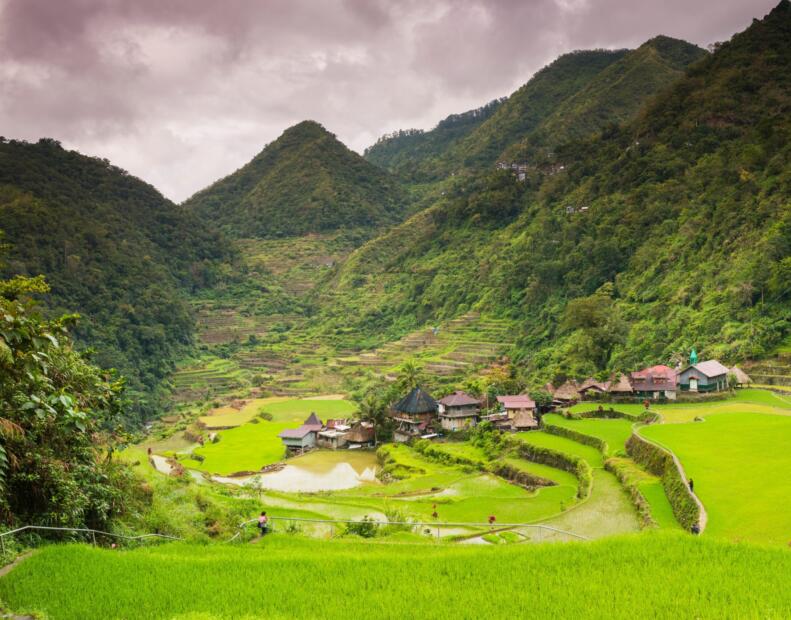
(263, 523)
(695, 529)
(691, 484)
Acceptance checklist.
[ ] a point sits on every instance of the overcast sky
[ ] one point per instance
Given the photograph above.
(182, 92)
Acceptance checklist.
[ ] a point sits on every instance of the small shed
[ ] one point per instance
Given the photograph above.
(742, 378)
(458, 411)
(708, 376)
(592, 386)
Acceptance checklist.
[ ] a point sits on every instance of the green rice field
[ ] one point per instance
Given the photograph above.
(747, 400)
(673, 576)
(615, 432)
(740, 463)
(253, 445)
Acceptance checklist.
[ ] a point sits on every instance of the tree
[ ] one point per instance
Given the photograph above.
(372, 409)
(410, 375)
(59, 420)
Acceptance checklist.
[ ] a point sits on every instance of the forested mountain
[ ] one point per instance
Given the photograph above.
(575, 96)
(670, 231)
(305, 181)
(613, 96)
(403, 151)
(113, 249)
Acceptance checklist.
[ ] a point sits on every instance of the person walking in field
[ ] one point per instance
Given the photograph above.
(263, 523)
(691, 484)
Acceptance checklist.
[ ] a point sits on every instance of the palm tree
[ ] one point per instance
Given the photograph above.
(410, 375)
(371, 410)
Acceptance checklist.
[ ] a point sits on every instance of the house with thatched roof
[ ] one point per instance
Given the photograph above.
(413, 415)
(620, 385)
(361, 435)
(458, 411)
(742, 378)
(566, 394)
(520, 410)
(708, 376)
(592, 386)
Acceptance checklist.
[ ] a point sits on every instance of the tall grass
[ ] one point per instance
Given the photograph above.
(650, 575)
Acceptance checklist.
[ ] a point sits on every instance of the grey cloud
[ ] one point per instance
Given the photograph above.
(181, 92)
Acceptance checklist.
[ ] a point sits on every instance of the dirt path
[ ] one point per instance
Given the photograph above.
(19, 559)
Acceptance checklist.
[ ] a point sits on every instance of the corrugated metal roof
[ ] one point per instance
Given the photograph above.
(711, 368)
(459, 399)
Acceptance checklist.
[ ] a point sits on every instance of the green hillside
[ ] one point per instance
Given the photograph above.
(306, 181)
(113, 249)
(403, 151)
(671, 231)
(612, 97)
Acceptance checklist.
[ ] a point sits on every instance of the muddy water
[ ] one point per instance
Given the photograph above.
(317, 471)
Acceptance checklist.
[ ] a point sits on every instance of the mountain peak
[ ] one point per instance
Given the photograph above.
(306, 181)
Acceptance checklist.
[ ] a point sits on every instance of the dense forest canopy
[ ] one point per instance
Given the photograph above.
(678, 221)
(114, 250)
(306, 181)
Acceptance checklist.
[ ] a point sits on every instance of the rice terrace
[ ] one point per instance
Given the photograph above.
(528, 360)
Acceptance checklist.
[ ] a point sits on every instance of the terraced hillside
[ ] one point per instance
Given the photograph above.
(448, 350)
(773, 372)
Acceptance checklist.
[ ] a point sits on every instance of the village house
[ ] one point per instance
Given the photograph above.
(567, 394)
(298, 440)
(520, 410)
(620, 385)
(413, 415)
(655, 382)
(458, 411)
(591, 387)
(708, 376)
(361, 435)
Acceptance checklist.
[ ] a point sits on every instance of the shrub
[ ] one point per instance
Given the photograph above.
(365, 527)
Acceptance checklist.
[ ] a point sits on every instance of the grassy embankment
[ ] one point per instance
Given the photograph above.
(672, 576)
(615, 432)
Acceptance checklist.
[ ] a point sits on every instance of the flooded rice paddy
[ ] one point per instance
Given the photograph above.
(316, 471)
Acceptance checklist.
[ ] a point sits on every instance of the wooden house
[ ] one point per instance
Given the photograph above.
(298, 440)
(458, 411)
(708, 376)
(521, 411)
(360, 436)
(413, 415)
(655, 382)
